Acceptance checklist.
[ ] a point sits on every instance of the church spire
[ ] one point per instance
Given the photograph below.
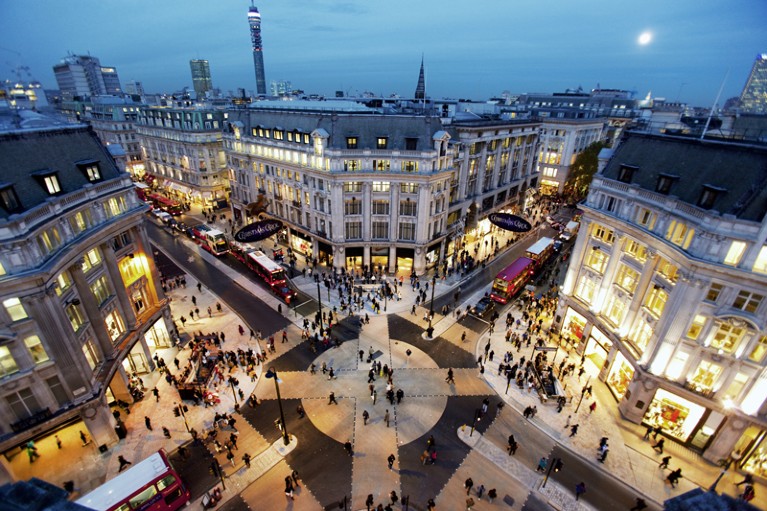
(420, 89)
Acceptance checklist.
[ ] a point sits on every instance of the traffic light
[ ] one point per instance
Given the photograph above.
(176, 411)
(558, 465)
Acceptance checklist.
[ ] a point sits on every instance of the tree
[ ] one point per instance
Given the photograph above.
(582, 171)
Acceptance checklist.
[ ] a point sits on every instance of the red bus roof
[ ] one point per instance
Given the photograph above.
(515, 268)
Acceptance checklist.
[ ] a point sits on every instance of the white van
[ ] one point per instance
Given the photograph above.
(571, 229)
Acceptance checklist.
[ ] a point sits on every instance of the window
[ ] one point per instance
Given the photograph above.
(382, 165)
(411, 144)
(36, 349)
(100, 290)
(708, 196)
(615, 310)
(351, 142)
(597, 260)
(409, 166)
(352, 207)
(713, 292)
(52, 185)
(8, 364)
(759, 350)
(57, 389)
(352, 165)
(585, 289)
(407, 231)
(668, 270)
(75, 316)
(408, 188)
(15, 309)
(641, 335)
(80, 221)
(626, 172)
(91, 354)
(114, 324)
(23, 403)
(760, 265)
(737, 248)
(679, 234)
(676, 366)
(381, 186)
(90, 170)
(747, 301)
(9, 201)
(727, 337)
(698, 323)
(63, 281)
(352, 186)
(736, 386)
(627, 278)
(664, 183)
(380, 230)
(382, 143)
(407, 208)
(380, 207)
(646, 218)
(91, 260)
(656, 300)
(353, 230)
(603, 233)
(706, 375)
(49, 240)
(636, 250)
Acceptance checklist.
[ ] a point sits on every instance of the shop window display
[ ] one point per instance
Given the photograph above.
(620, 375)
(676, 416)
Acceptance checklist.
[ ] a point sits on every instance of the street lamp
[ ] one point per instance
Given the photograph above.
(556, 464)
(583, 393)
(477, 417)
(234, 393)
(272, 373)
(319, 299)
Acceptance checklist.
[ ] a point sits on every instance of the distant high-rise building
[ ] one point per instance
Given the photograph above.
(201, 77)
(281, 88)
(420, 89)
(84, 76)
(134, 87)
(254, 19)
(753, 99)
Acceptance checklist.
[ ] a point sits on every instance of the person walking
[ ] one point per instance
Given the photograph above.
(148, 423)
(659, 446)
(246, 458)
(664, 462)
(166, 432)
(386, 418)
(391, 460)
(294, 476)
(468, 484)
(332, 398)
(674, 477)
(573, 430)
(156, 393)
(123, 462)
(480, 491)
(289, 488)
(492, 494)
(640, 504)
(512, 447)
(605, 450)
(580, 489)
(58, 441)
(32, 451)
(450, 378)
(365, 417)
(348, 448)
(648, 432)
(542, 465)
(84, 438)
(592, 407)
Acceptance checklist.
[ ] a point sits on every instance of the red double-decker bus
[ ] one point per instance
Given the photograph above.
(511, 279)
(149, 485)
(170, 206)
(271, 272)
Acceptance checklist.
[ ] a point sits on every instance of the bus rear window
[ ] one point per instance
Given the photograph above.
(166, 481)
(173, 496)
(142, 497)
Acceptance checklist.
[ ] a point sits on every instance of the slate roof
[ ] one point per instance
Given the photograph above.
(26, 152)
(367, 127)
(739, 169)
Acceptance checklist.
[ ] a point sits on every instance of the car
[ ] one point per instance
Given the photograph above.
(558, 245)
(484, 307)
(181, 227)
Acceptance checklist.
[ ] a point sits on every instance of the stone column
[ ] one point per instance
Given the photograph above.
(638, 396)
(112, 267)
(724, 442)
(92, 311)
(100, 423)
(119, 385)
(156, 294)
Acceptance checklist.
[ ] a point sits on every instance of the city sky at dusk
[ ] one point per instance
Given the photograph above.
(471, 50)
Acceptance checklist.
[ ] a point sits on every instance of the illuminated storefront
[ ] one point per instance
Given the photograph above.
(597, 348)
(620, 375)
(572, 329)
(753, 449)
(676, 416)
(379, 257)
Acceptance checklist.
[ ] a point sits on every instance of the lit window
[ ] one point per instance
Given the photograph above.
(636, 250)
(736, 386)
(80, 221)
(603, 233)
(91, 260)
(36, 349)
(409, 166)
(706, 375)
(352, 165)
(760, 265)
(679, 234)
(49, 240)
(408, 188)
(735, 253)
(91, 171)
(63, 281)
(381, 186)
(597, 260)
(747, 301)
(91, 354)
(351, 142)
(646, 218)
(641, 335)
(52, 184)
(627, 278)
(615, 310)
(676, 366)
(713, 292)
(727, 337)
(100, 290)
(656, 301)
(382, 143)
(8, 364)
(114, 325)
(382, 165)
(585, 289)
(2, 270)
(759, 350)
(15, 309)
(668, 270)
(115, 206)
(698, 323)
(75, 316)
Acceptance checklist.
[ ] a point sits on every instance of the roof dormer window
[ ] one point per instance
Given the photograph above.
(626, 172)
(709, 195)
(49, 179)
(90, 170)
(9, 201)
(664, 183)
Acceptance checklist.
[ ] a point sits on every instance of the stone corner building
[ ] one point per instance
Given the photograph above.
(80, 301)
(667, 290)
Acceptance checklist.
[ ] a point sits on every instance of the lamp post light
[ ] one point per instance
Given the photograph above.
(272, 373)
(556, 465)
(234, 393)
(583, 393)
(319, 299)
(477, 417)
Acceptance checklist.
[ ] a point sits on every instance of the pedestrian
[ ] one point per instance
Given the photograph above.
(289, 488)
(393, 497)
(32, 451)
(246, 458)
(332, 398)
(541, 465)
(148, 423)
(747, 479)
(567, 424)
(659, 446)
(348, 448)
(512, 445)
(640, 505)
(468, 484)
(463, 336)
(480, 491)
(391, 460)
(84, 438)
(648, 432)
(365, 417)
(194, 300)
(605, 450)
(123, 462)
(592, 407)
(233, 440)
(386, 418)
(492, 494)
(300, 411)
(430, 505)
(166, 432)
(580, 489)
(331, 374)
(573, 430)
(664, 462)
(294, 476)
(58, 441)
(450, 378)
(369, 502)
(199, 287)
(156, 393)
(400, 395)
(674, 476)
(230, 456)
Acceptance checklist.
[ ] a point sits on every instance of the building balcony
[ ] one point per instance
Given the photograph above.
(694, 387)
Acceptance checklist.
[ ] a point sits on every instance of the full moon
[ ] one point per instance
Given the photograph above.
(645, 38)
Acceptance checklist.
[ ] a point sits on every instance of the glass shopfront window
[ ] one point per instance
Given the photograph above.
(753, 448)
(572, 328)
(598, 347)
(676, 416)
(620, 375)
